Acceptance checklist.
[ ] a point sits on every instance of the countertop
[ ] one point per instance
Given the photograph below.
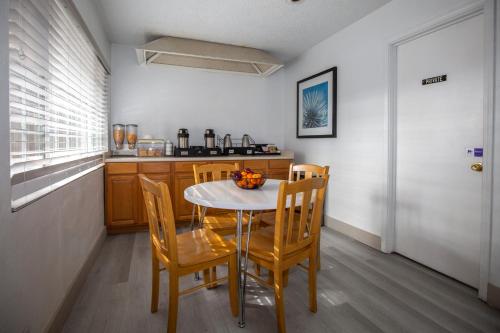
(285, 155)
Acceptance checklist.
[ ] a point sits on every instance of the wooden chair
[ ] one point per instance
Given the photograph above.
(291, 241)
(222, 223)
(297, 172)
(184, 253)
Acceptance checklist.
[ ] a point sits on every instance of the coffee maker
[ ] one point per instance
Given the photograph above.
(183, 148)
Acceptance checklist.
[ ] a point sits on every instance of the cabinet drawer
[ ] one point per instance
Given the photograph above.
(279, 164)
(256, 164)
(240, 163)
(121, 168)
(154, 167)
(186, 166)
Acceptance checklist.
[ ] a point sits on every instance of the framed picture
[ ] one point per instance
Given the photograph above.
(317, 105)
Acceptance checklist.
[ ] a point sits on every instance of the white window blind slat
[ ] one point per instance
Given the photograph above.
(58, 91)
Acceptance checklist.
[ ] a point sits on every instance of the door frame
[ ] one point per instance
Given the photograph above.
(388, 234)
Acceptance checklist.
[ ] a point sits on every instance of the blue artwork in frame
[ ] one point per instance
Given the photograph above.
(317, 105)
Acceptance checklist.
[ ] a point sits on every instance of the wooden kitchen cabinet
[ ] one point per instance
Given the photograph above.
(256, 165)
(125, 209)
(121, 200)
(157, 171)
(159, 177)
(183, 209)
(278, 174)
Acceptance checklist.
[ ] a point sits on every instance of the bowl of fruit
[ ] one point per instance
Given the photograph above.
(248, 179)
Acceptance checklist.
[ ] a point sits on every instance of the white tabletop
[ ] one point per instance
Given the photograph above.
(225, 194)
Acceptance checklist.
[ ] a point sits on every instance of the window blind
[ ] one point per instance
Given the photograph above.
(58, 98)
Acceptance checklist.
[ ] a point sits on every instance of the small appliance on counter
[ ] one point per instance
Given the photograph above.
(119, 139)
(245, 141)
(169, 148)
(183, 138)
(131, 135)
(266, 149)
(118, 135)
(183, 148)
(150, 147)
(245, 146)
(209, 138)
(197, 151)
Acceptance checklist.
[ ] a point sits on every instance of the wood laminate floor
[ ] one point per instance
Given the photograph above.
(359, 290)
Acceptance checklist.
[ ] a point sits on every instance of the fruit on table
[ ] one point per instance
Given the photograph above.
(248, 179)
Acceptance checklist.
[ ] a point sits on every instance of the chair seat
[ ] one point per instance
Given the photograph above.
(268, 217)
(202, 245)
(225, 222)
(262, 243)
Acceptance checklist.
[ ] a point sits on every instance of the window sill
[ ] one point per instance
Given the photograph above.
(17, 205)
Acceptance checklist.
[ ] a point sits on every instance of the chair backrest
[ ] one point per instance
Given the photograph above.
(306, 171)
(294, 231)
(210, 172)
(160, 217)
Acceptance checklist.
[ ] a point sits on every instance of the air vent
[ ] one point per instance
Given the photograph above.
(193, 53)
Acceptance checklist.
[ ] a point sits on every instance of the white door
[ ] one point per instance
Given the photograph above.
(438, 196)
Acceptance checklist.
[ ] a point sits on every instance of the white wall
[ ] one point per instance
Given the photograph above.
(358, 157)
(44, 245)
(162, 99)
(92, 16)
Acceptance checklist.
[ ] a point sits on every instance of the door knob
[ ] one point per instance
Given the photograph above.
(478, 167)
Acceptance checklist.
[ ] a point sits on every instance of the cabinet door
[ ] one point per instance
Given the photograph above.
(183, 208)
(121, 200)
(159, 177)
(256, 165)
(278, 174)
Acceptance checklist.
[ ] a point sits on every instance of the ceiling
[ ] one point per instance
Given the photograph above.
(283, 28)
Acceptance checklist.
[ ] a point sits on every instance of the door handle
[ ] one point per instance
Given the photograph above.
(478, 167)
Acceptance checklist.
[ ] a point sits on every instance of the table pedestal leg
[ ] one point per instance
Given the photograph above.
(242, 280)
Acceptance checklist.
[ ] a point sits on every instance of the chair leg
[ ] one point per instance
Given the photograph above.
(318, 256)
(257, 270)
(155, 283)
(313, 305)
(173, 302)
(206, 277)
(233, 284)
(270, 277)
(213, 277)
(285, 278)
(278, 296)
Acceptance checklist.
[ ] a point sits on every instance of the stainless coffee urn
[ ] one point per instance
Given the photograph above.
(183, 138)
(209, 138)
(228, 143)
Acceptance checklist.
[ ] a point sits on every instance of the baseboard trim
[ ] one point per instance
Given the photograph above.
(64, 309)
(493, 296)
(360, 235)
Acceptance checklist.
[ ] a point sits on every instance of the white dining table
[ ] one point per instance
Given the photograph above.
(224, 194)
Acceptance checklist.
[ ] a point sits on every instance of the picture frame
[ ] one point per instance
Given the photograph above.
(317, 105)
